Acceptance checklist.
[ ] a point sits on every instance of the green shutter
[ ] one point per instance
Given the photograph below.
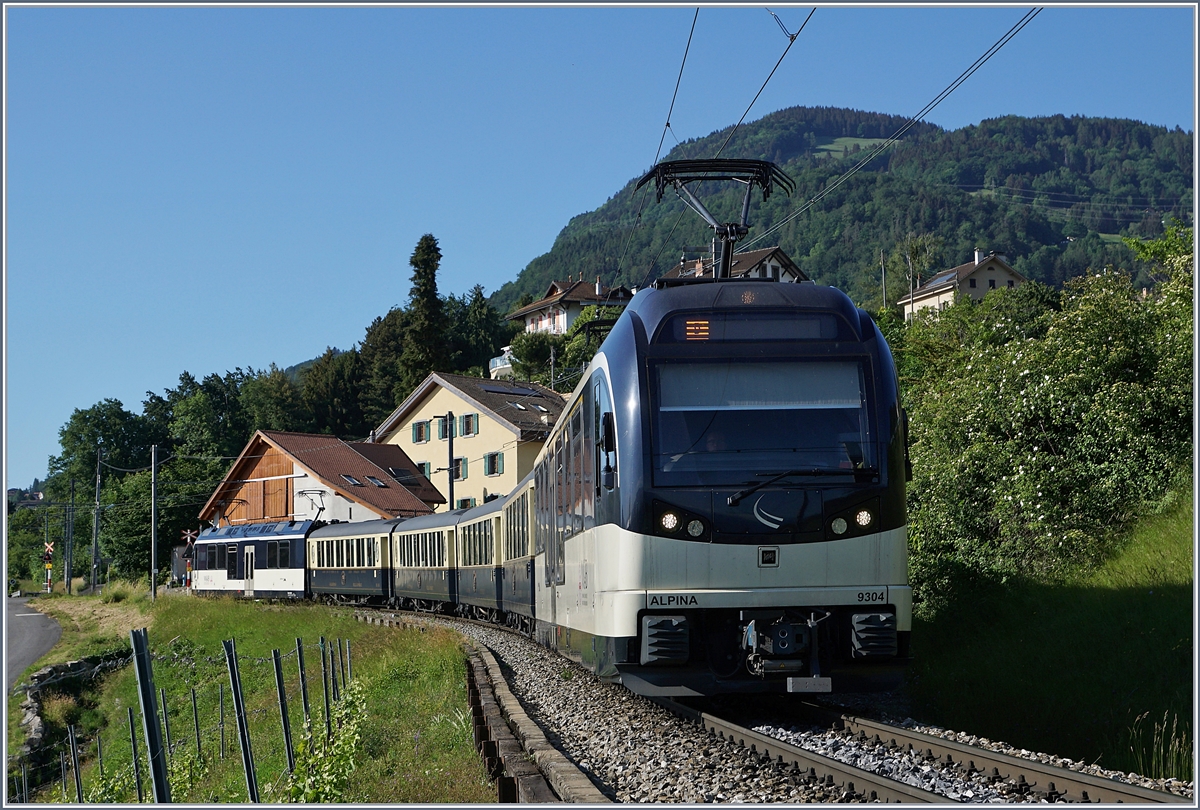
(414, 432)
(464, 469)
(500, 463)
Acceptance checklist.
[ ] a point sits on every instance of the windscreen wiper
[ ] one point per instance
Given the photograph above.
(733, 499)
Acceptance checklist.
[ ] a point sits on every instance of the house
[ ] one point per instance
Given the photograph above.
(563, 302)
(974, 279)
(769, 262)
(305, 476)
(498, 427)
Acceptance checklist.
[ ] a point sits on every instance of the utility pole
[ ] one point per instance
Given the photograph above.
(551, 368)
(883, 277)
(450, 466)
(153, 522)
(70, 549)
(96, 524)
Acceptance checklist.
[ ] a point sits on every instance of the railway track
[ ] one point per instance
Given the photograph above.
(1027, 777)
(855, 782)
(1010, 778)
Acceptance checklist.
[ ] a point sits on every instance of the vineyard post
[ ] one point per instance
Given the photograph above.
(239, 710)
(75, 764)
(303, 678)
(140, 641)
(325, 692)
(137, 770)
(283, 713)
(162, 694)
(196, 721)
(221, 722)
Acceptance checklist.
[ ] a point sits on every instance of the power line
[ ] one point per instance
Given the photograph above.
(637, 220)
(966, 74)
(791, 42)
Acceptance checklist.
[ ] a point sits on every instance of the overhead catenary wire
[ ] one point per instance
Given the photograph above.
(750, 106)
(904, 128)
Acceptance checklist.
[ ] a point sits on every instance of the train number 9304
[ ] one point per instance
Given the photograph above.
(872, 596)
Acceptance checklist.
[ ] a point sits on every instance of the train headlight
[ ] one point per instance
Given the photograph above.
(863, 518)
(695, 528)
(669, 521)
(838, 525)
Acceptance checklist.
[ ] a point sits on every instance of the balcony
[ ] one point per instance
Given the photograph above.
(500, 368)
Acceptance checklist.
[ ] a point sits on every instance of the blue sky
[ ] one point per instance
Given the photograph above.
(205, 188)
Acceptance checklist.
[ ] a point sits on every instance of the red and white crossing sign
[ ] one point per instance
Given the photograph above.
(189, 535)
(49, 547)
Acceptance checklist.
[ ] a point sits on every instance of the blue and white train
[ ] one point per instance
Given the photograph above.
(721, 508)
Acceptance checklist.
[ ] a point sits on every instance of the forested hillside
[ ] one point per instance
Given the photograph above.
(1052, 193)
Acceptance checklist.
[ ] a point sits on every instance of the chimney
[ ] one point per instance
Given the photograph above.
(978, 256)
(598, 292)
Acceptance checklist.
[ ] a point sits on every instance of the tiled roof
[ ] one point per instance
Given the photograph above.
(742, 264)
(956, 275)
(528, 408)
(390, 456)
(576, 292)
(327, 458)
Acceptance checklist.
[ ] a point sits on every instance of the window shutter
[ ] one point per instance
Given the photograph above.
(464, 469)
(414, 432)
(500, 463)
(462, 424)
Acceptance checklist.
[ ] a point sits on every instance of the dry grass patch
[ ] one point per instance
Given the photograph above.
(89, 625)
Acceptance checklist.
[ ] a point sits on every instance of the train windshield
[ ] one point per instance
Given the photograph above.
(724, 422)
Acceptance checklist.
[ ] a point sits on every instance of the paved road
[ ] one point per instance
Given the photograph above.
(30, 636)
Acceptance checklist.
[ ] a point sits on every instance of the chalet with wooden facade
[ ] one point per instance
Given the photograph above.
(974, 279)
(769, 262)
(498, 427)
(306, 476)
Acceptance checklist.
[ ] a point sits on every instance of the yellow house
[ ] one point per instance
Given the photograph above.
(496, 428)
(974, 279)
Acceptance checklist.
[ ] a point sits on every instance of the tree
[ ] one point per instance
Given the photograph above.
(380, 354)
(425, 340)
(332, 393)
(124, 436)
(531, 355)
(270, 400)
(477, 332)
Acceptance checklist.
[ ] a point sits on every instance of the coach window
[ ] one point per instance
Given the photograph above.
(285, 549)
(272, 554)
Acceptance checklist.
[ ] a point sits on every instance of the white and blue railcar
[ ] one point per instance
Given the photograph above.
(722, 505)
(261, 560)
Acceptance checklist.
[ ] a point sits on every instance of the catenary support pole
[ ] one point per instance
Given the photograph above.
(154, 541)
(96, 525)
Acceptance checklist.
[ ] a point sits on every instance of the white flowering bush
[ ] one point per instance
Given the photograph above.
(1041, 423)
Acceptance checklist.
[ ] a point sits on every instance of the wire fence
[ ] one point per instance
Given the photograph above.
(223, 706)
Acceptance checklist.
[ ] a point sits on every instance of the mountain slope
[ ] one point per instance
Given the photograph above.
(1043, 190)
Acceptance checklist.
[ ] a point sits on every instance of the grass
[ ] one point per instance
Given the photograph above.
(1099, 669)
(416, 742)
(835, 145)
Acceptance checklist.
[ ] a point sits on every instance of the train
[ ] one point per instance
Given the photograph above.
(720, 509)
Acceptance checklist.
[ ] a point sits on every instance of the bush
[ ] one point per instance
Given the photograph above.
(1040, 425)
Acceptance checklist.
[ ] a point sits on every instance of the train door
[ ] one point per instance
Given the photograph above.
(248, 585)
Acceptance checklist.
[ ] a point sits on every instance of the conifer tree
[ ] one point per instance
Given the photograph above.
(426, 337)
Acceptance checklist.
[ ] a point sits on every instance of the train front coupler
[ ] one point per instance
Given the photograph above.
(785, 642)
